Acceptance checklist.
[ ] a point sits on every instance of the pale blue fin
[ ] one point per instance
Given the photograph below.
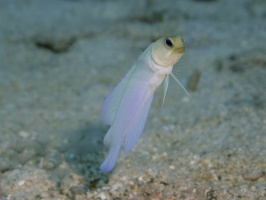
(121, 110)
(107, 139)
(111, 159)
(113, 100)
(131, 118)
(138, 123)
(165, 84)
(180, 84)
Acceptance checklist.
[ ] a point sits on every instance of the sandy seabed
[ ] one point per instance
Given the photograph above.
(60, 58)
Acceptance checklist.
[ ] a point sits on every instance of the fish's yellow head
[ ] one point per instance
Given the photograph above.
(168, 50)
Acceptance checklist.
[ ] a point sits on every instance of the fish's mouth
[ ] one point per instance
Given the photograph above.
(180, 49)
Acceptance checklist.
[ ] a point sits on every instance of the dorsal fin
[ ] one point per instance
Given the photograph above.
(113, 100)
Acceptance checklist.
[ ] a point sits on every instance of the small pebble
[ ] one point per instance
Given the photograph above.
(253, 176)
(194, 80)
(205, 0)
(172, 167)
(23, 134)
(20, 183)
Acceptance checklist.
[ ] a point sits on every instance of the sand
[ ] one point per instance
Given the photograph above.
(60, 58)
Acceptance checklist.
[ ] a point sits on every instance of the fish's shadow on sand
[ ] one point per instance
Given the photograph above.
(84, 153)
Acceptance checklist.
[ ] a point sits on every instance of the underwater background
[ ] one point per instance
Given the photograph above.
(60, 58)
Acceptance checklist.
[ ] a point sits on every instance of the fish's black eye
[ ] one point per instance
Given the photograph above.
(168, 43)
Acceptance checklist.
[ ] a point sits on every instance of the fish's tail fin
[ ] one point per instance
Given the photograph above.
(110, 161)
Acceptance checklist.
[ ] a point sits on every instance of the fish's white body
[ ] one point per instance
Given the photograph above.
(126, 108)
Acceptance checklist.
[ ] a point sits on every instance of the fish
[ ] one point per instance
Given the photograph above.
(127, 106)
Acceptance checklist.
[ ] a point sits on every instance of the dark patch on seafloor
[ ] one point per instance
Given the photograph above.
(84, 157)
(55, 46)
